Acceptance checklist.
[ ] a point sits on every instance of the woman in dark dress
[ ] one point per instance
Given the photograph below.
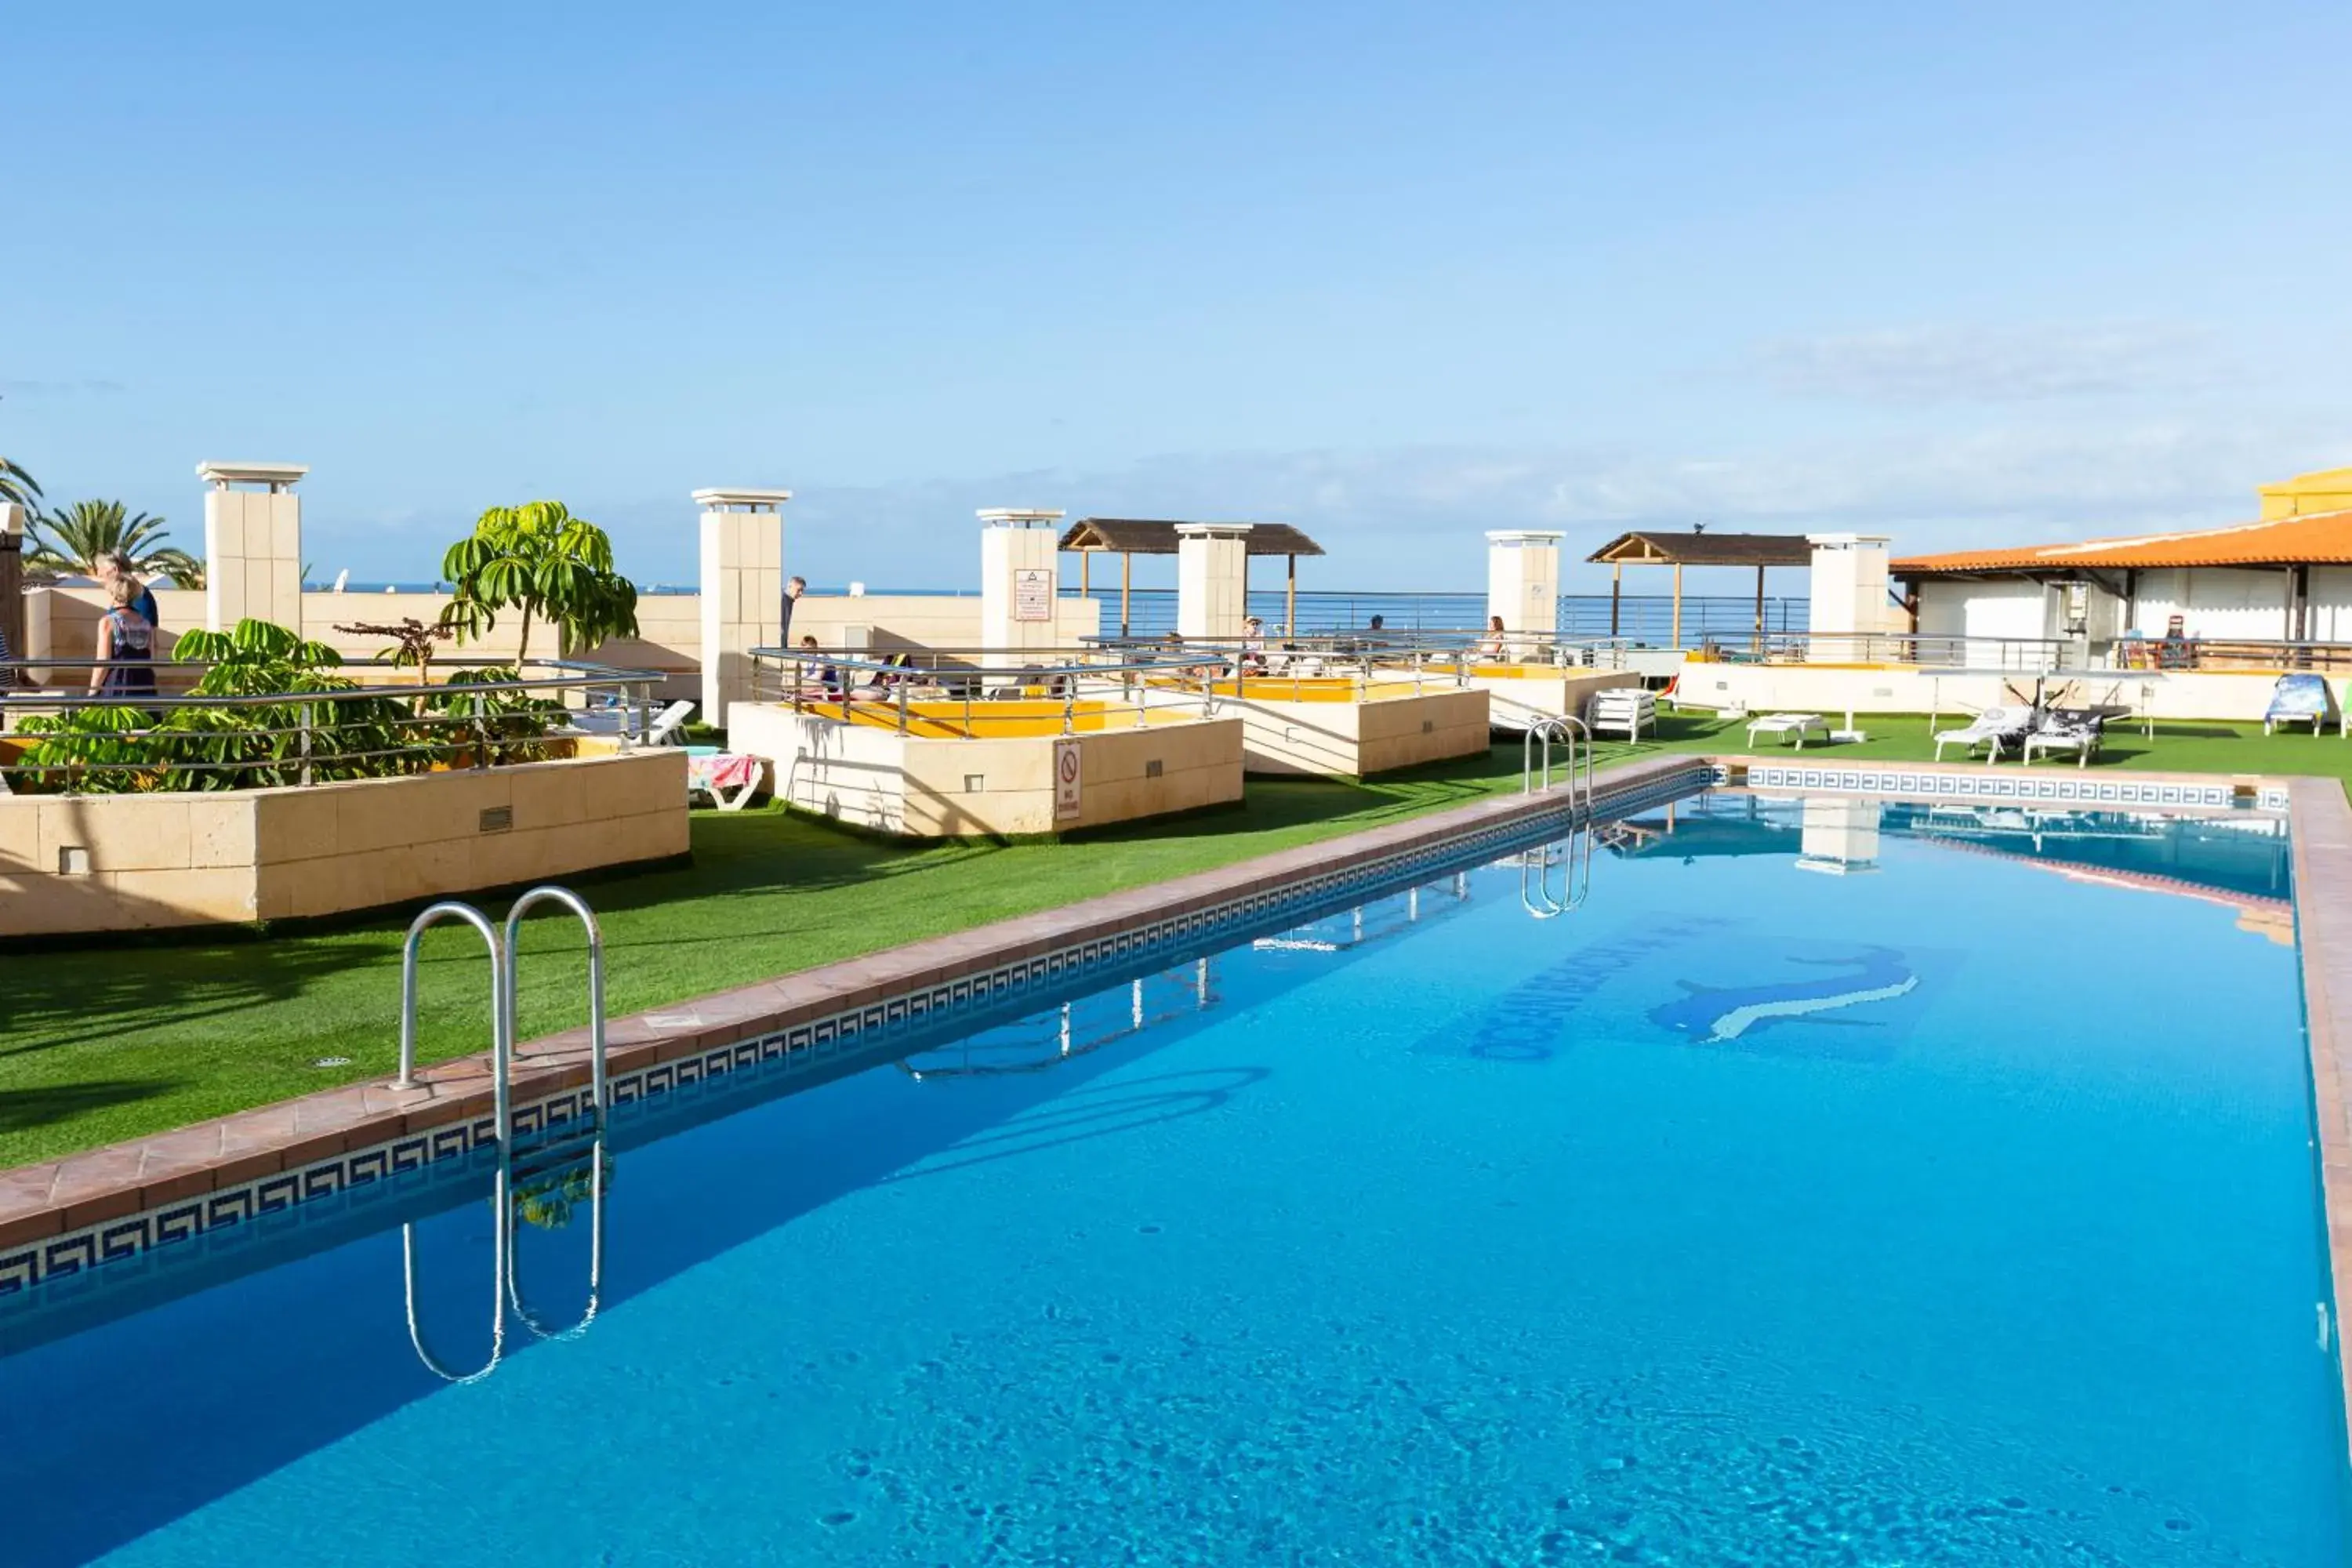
(126, 644)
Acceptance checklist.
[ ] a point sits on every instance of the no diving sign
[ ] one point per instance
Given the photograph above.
(1065, 780)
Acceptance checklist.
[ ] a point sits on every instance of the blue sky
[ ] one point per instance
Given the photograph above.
(1396, 274)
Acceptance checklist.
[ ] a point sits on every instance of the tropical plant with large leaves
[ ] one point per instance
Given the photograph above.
(19, 485)
(316, 724)
(72, 540)
(551, 566)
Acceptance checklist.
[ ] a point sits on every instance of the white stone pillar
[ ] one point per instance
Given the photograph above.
(743, 584)
(1849, 596)
(1523, 579)
(1018, 583)
(253, 544)
(1211, 578)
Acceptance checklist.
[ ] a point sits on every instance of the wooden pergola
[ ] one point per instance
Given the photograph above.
(1698, 548)
(1128, 537)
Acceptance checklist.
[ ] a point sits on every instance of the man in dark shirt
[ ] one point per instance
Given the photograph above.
(793, 588)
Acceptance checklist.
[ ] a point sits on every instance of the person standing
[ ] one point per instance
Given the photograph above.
(126, 643)
(793, 588)
(116, 563)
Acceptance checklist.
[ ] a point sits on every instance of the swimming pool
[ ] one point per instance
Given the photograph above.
(1832, 1185)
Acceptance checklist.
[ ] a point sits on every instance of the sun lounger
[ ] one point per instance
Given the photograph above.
(1795, 725)
(616, 721)
(729, 778)
(2060, 732)
(1995, 727)
(2300, 697)
(1623, 708)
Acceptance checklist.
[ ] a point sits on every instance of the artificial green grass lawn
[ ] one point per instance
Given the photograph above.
(130, 1037)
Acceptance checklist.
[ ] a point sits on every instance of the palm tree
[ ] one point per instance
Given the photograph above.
(72, 541)
(19, 485)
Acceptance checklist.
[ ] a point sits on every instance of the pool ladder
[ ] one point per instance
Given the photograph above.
(548, 1159)
(1573, 856)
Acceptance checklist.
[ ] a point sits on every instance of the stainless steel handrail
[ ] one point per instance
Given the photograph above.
(506, 1285)
(501, 1046)
(433, 914)
(1535, 897)
(502, 1242)
(551, 894)
(1577, 861)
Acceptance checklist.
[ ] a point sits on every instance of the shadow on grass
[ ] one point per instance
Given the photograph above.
(23, 1110)
(83, 997)
(773, 850)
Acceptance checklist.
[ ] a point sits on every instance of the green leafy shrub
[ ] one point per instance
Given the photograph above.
(117, 749)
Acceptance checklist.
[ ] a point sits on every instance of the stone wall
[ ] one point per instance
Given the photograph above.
(97, 863)
(1521, 697)
(876, 778)
(1355, 739)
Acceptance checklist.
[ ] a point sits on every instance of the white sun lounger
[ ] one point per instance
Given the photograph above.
(616, 721)
(2054, 734)
(1796, 725)
(1994, 727)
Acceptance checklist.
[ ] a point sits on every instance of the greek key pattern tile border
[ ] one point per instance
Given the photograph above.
(813, 1041)
(1994, 784)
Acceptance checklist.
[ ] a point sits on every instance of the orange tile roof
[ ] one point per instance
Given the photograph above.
(2324, 536)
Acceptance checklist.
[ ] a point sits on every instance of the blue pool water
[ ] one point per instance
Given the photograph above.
(1914, 1204)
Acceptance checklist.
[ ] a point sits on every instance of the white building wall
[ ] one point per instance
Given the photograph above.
(2331, 604)
(2214, 602)
(2003, 609)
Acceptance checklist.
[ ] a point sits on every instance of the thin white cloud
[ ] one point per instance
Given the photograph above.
(1926, 365)
(1412, 517)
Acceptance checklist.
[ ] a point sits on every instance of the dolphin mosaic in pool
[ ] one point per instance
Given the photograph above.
(1717, 1016)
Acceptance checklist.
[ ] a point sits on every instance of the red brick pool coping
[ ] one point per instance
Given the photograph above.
(61, 1197)
(2321, 824)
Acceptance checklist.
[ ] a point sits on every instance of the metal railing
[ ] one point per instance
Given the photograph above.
(939, 691)
(500, 1054)
(1044, 1041)
(1535, 649)
(71, 739)
(1280, 668)
(2254, 653)
(505, 966)
(1576, 859)
(2018, 656)
(1648, 620)
(1151, 612)
(1641, 619)
(972, 692)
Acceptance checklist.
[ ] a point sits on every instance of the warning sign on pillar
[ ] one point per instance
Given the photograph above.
(1066, 780)
(1033, 594)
